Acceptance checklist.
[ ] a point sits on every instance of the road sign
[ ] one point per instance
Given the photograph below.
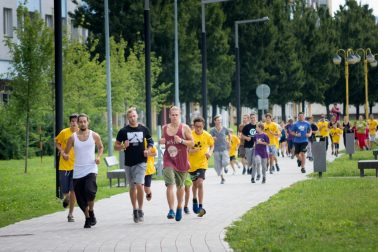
(263, 104)
(263, 91)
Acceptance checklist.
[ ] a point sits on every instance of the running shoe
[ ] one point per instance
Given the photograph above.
(299, 163)
(92, 218)
(223, 180)
(65, 202)
(253, 180)
(178, 214)
(171, 214)
(263, 180)
(135, 216)
(303, 170)
(202, 212)
(277, 167)
(195, 206)
(87, 223)
(258, 177)
(140, 215)
(148, 196)
(186, 210)
(70, 218)
(244, 170)
(225, 170)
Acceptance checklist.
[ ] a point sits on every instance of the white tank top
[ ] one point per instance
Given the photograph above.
(84, 156)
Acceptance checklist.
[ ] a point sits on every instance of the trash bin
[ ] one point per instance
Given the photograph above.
(319, 154)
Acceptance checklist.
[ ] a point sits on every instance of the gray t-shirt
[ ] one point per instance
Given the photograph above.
(221, 142)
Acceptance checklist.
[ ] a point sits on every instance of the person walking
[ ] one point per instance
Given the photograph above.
(131, 139)
(66, 167)
(84, 143)
(261, 152)
(248, 135)
(177, 137)
(199, 155)
(221, 146)
(301, 131)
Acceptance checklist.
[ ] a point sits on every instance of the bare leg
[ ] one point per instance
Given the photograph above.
(133, 196)
(140, 195)
(199, 183)
(72, 202)
(187, 195)
(180, 195)
(170, 196)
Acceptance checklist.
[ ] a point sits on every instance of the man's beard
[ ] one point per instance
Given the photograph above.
(83, 129)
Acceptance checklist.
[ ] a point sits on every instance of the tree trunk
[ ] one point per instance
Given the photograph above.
(327, 109)
(283, 114)
(187, 108)
(27, 142)
(371, 104)
(303, 106)
(214, 113)
(344, 109)
(357, 111)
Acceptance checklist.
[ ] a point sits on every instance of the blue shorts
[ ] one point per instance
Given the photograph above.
(66, 182)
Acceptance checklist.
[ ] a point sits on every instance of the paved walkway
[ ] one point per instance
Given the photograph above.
(115, 230)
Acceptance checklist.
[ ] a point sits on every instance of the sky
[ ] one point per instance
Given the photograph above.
(373, 4)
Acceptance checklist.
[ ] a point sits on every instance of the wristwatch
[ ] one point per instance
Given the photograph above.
(182, 141)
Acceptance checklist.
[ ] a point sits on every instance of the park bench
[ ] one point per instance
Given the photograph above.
(368, 164)
(375, 153)
(111, 173)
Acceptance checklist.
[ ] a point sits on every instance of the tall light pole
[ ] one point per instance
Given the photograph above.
(108, 80)
(349, 58)
(204, 57)
(177, 95)
(147, 53)
(237, 23)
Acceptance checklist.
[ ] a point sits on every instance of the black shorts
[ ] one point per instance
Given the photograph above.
(147, 180)
(336, 145)
(232, 158)
(199, 173)
(85, 190)
(300, 147)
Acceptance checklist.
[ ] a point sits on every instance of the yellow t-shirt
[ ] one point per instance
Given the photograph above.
(235, 141)
(62, 139)
(202, 143)
(323, 128)
(271, 129)
(151, 162)
(372, 124)
(336, 133)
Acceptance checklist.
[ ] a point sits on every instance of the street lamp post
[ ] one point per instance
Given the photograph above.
(237, 23)
(349, 58)
(147, 55)
(204, 57)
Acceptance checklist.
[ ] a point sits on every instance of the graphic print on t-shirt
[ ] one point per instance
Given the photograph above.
(252, 132)
(135, 138)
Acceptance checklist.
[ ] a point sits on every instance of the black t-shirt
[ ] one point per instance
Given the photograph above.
(134, 153)
(249, 130)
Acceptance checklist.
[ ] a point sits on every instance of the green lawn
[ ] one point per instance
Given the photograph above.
(23, 196)
(335, 213)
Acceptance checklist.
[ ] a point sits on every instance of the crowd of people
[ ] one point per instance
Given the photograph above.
(256, 145)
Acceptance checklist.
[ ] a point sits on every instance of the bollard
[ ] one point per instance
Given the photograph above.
(349, 141)
(319, 155)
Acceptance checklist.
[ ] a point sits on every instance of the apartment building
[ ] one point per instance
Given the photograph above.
(8, 22)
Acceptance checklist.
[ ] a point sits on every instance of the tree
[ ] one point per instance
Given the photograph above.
(31, 68)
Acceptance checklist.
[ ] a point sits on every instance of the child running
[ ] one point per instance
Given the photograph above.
(336, 132)
(234, 144)
(261, 152)
(150, 170)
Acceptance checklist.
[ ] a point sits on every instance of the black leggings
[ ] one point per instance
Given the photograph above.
(85, 190)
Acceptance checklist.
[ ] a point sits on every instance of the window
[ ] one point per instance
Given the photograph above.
(49, 21)
(8, 22)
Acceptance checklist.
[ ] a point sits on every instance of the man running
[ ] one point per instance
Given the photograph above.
(85, 169)
(131, 139)
(199, 155)
(248, 135)
(221, 145)
(66, 167)
(301, 131)
(177, 137)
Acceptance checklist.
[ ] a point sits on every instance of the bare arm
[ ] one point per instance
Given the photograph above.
(100, 147)
(69, 145)
(118, 146)
(189, 142)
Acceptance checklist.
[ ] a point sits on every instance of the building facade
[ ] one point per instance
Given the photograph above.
(8, 23)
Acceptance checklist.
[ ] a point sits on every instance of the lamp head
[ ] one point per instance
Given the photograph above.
(370, 57)
(374, 63)
(336, 59)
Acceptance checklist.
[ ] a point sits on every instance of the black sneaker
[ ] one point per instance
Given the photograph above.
(263, 180)
(225, 170)
(299, 163)
(92, 218)
(253, 180)
(249, 171)
(303, 170)
(272, 167)
(135, 216)
(140, 215)
(277, 167)
(278, 153)
(270, 171)
(186, 210)
(244, 170)
(65, 202)
(87, 223)
(258, 177)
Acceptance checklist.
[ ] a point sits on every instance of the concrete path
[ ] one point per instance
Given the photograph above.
(116, 231)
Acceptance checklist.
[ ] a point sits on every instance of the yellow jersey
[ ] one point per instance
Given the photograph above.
(271, 129)
(202, 143)
(372, 124)
(235, 142)
(336, 133)
(323, 128)
(150, 169)
(62, 139)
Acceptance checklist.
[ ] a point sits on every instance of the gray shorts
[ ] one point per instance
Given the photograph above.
(250, 156)
(221, 160)
(135, 174)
